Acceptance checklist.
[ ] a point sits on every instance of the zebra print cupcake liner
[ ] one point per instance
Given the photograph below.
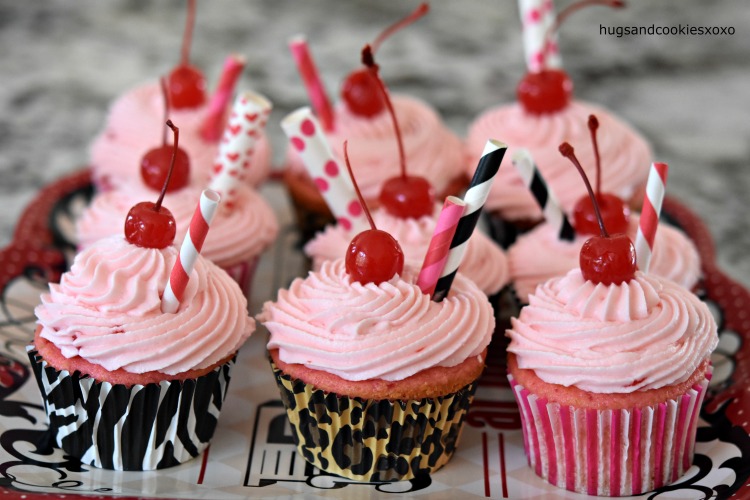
(610, 452)
(143, 427)
(373, 440)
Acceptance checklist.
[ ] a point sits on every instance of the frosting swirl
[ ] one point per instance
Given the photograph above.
(539, 255)
(625, 155)
(107, 310)
(644, 334)
(227, 243)
(362, 332)
(484, 261)
(135, 124)
(432, 151)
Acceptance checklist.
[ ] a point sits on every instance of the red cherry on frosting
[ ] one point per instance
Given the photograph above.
(615, 213)
(603, 259)
(546, 91)
(374, 256)
(361, 95)
(187, 87)
(155, 166)
(407, 197)
(150, 225)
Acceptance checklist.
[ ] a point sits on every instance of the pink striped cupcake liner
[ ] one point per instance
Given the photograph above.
(610, 452)
(243, 273)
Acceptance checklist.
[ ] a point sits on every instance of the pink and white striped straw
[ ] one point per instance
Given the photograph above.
(191, 247)
(213, 122)
(234, 158)
(440, 244)
(656, 187)
(539, 43)
(308, 139)
(316, 92)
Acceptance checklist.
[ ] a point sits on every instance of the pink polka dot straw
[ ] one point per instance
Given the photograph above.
(306, 135)
(539, 43)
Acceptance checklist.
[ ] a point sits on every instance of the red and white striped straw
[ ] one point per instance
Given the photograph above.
(234, 158)
(316, 92)
(308, 139)
(440, 244)
(539, 43)
(656, 187)
(191, 247)
(214, 120)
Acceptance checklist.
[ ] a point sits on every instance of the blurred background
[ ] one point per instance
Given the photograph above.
(63, 62)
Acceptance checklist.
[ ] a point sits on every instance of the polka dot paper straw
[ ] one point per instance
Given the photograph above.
(307, 138)
(439, 248)
(475, 197)
(532, 177)
(656, 187)
(246, 123)
(191, 247)
(212, 124)
(311, 78)
(539, 43)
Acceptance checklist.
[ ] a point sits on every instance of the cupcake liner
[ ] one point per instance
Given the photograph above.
(243, 274)
(143, 427)
(610, 452)
(373, 440)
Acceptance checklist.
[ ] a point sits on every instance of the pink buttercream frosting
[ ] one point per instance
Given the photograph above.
(389, 331)
(645, 334)
(135, 125)
(432, 150)
(625, 155)
(107, 310)
(539, 255)
(236, 235)
(484, 262)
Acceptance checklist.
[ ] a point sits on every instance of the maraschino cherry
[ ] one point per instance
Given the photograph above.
(150, 225)
(157, 162)
(187, 86)
(405, 196)
(373, 256)
(359, 90)
(550, 90)
(606, 259)
(615, 213)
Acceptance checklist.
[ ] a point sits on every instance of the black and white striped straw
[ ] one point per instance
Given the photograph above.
(475, 197)
(532, 177)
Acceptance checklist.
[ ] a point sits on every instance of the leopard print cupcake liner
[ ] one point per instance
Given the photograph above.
(143, 427)
(373, 440)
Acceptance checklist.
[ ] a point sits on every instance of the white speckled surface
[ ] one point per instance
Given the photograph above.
(63, 62)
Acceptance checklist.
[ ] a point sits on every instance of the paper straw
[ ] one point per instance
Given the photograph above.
(539, 42)
(475, 197)
(246, 123)
(191, 247)
(644, 240)
(212, 123)
(545, 198)
(437, 252)
(308, 139)
(311, 79)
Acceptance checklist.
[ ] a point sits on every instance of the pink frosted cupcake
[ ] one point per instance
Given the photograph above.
(540, 254)
(126, 386)
(390, 372)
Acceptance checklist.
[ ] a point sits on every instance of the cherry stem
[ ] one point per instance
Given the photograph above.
(165, 95)
(418, 12)
(567, 151)
(176, 132)
(567, 11)
(356, 187)
(593, 127)
(188, 35)
(368, 59)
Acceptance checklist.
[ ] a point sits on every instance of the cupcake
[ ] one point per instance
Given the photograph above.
(126, 386)
(376, 378)
(609, 380)
(540, 254)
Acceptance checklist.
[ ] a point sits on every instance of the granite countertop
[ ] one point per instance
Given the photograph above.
(63, 62)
